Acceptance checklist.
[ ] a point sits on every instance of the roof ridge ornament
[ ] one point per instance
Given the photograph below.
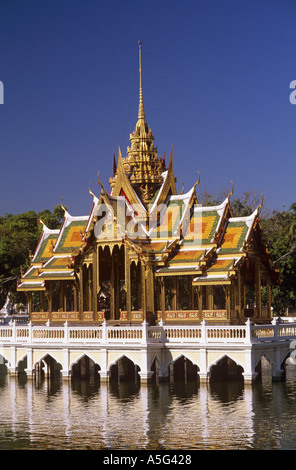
(62, 206)
(231, 192)
(90, 191)
(198, 181)
(261, 203)
(99, 182)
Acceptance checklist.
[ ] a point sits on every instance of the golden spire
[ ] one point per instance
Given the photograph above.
(141, 114)
(142, 163)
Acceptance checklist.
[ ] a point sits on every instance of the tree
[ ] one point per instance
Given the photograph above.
(241, 206)
(279, 231)
(19, 235)
(280, 234)
(53, 219)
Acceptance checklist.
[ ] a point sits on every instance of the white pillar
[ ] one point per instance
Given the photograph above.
(104, 373)
(66, 332)
(203, 331)
(66, 373)
(29, 370)
(203, 372)
(248, 338)
(104, 332)
(145, 373)
(144, 332)
(13, 367)
(249, 374)
(30, 337)
(277, 372)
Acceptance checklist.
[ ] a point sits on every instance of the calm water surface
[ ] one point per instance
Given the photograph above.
(86, 415)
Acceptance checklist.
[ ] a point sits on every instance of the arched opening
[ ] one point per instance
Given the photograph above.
(155, 368)
(85, 368)
(124, 370)
(289, 369)
(226, 370)
(104, 295)
(264, 369)
(47, 367)
(3, 365)
(183, 370)
(22, 365)
(135, 282)
(112, 295)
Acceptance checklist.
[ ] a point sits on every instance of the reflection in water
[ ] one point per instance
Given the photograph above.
(88, 415)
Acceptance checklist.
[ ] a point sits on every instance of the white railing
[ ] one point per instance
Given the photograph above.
(162, 333)
(274, 332)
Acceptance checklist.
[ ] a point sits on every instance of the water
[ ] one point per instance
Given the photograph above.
(86, 415)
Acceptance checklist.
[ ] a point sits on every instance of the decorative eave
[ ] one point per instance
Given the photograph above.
(92, 218)
(182, 270)
(46, 234)
(168, 185)
(123, 187)
(29, 286)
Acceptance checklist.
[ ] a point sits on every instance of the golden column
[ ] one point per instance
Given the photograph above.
(81, 280)
(95, 284)
(144, 290)
(127, 275)
(199, 301)
(112, 297)
(50, 300)
(258, 290)
(269, 300)
(162, 298)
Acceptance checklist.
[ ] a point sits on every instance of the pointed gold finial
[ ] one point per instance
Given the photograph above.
(62, 205)
(141, 114)
(198, 181)
(99, 182)
(90, 191)
(142, 164)
(232, 188)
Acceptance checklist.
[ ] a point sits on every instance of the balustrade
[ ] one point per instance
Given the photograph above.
(5, 332)
(48, 333)
(85, 333)
(107, 333)
(22, 332)
(183, 333)
(119, 333)
(284, 330)
(226, 333)
(259, 332)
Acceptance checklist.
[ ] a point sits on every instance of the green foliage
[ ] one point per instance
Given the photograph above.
(241, 206)
(280, 234)
(19, 235)
(279, 231)
(53, 219)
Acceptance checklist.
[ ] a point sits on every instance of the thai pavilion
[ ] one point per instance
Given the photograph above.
(145, 252)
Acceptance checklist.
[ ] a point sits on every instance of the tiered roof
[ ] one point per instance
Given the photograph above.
(177, 234)
(53, 259)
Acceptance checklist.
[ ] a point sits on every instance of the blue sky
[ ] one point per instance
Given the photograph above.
(216, 77)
